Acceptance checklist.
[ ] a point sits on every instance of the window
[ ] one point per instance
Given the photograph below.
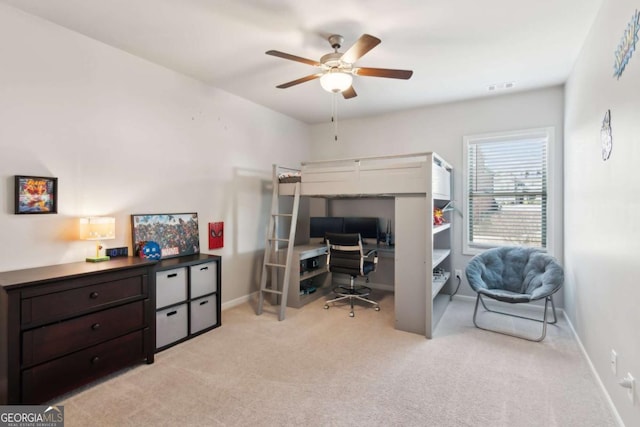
(506, 189)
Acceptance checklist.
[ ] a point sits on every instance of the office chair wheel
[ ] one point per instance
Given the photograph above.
(352, 314)
(326, 306)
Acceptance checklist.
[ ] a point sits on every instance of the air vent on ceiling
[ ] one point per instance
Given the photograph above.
(501, 86)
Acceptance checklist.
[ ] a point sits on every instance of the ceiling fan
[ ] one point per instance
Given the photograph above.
(337, 69)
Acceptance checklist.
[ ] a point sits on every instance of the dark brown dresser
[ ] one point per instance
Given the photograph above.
(66, 325)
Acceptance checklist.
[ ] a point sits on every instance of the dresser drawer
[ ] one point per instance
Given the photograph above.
(171, 287)
(43, 382)
(58, 339)
(203, 279)
(58, 305)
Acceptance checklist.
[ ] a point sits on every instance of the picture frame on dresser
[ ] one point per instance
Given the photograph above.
(177, 234)
(36, 195)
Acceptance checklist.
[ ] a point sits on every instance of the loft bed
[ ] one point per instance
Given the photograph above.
(418, 173)
(417, 182)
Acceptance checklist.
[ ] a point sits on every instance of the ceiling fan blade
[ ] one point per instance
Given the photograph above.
(363, 45)
(383, 72)
(293, 57)
(300, 80)
(349, 93)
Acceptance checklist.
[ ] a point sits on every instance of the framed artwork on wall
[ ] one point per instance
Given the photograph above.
(176, 233)
(36, 195)
(216, 235)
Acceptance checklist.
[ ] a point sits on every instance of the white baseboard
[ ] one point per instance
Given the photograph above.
(234, 302)
(607, 397)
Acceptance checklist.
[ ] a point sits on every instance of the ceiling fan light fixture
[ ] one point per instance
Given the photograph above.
(335, 81)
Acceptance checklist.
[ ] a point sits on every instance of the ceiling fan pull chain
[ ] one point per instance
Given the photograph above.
(334, 115)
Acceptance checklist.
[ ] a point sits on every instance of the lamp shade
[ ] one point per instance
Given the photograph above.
(97, 228)
(336, 81)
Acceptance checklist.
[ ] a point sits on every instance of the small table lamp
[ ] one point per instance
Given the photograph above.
(98, 228)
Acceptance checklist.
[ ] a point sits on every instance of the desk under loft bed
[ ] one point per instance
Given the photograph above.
(417, 183)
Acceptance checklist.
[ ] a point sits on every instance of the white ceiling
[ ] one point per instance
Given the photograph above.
(456, 48)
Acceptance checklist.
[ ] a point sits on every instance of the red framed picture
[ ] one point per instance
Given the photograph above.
(216, 235)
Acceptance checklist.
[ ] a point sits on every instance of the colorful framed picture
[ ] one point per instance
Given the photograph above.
(176, 234)
(36, 195)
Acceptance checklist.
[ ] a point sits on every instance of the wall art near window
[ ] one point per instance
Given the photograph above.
(605, 136)
(627, 45)
(36, 195)
(177, 234)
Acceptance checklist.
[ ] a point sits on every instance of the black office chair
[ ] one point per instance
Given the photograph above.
(346, 255)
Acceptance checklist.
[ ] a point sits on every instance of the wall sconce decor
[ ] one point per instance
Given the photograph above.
(98, 229)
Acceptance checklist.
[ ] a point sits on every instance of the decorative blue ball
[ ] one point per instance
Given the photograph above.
(151, 250)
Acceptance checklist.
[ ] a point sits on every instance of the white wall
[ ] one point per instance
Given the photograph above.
(441, 128)
(602, 204)
(126, 136)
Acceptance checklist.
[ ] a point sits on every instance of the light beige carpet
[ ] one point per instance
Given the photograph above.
(321, 368)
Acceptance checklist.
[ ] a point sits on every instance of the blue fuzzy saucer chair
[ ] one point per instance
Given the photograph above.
(515, 274)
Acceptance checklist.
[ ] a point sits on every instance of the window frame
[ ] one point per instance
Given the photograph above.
(468, 248)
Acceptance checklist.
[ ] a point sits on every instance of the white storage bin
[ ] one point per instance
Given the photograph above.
(203, 279)
(203, 313)
(441, 183)
(171, 287)
(171, 325)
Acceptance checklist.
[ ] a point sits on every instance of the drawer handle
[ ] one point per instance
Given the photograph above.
(204, 302)
(204, 268)
(93, 295)
(172, 275)
(95, 326)
(171, 313)
(95, 359)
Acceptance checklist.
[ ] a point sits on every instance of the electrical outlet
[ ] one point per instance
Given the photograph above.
(459, 274)
(613, 361)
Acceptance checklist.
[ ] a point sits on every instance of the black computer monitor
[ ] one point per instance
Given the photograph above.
(319, 225)
(366, 226)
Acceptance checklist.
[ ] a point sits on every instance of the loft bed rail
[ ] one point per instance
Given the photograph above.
(283, 174)
(415, 156)
(369, 176)
(411, 157)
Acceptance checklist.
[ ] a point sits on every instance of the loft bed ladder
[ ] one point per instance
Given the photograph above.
(272, 263)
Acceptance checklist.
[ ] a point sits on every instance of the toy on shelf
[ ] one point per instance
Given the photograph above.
(438, 216)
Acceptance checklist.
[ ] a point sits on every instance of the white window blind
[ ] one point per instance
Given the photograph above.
(507, 191)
